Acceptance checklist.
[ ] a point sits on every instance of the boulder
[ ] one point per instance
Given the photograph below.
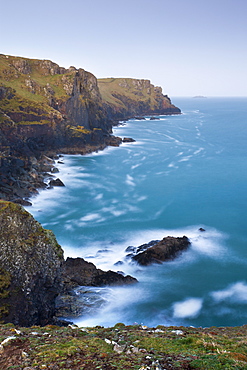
(166, 249)
(128, 140)
(56, 182)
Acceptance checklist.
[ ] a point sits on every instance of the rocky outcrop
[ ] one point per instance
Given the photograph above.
(126, 98)
(33, 272)
(30, 268)
(159, 251)
(77, 271)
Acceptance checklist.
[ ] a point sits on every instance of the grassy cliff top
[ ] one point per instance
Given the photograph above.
(133, 89)
(33, 78)
(123, 347)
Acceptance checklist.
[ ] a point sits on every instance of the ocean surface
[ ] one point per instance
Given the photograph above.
(183, 172)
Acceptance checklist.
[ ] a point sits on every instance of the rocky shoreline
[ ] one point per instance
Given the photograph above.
(47, 111)
(37, 284)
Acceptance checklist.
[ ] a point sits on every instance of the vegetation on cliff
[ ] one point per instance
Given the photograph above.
(46, 109)
(30, 268)
(127, 97)
(122, 347)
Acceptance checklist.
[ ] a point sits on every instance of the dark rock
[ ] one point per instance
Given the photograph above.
(128, 140)
(143, 247)
(130, 248)
(30, 265)
(23, 202)
(165, 250)
(113, 140)
(118, 263)
(201, 229)
(77, 271)
(154, 118)
(56, 182)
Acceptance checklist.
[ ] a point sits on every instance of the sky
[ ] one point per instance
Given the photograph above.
(188, 47)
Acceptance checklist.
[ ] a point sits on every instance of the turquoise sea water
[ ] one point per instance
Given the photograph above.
(182, 173)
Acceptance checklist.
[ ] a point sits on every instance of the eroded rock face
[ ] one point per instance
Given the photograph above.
(126, 98)
(31, 259)
(164, 250)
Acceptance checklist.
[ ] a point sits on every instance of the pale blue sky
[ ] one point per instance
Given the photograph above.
(189, 47)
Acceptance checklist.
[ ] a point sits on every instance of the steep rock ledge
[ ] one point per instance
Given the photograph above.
(33, 272)
(30, 267)
(126, 98)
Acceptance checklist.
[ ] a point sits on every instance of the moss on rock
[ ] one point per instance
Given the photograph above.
(31, 256)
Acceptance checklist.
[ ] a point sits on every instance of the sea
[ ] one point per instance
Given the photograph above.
(183, 172)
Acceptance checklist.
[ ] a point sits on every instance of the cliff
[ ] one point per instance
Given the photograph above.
(33, 272)
(126, 98)
(43, 106)
(46, 109)
(30, 268)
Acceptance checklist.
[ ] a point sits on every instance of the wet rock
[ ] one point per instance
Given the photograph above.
(56, 182)
(77, 271)
(130, 249)
(118, 263)
(201, 229)
(166, 249)
(128, 140)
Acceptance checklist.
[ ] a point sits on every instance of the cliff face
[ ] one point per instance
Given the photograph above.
(46, 109)
(33, 272)
(30, 268)
(46, 106)
(125, 98)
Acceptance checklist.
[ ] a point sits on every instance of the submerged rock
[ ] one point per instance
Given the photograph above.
(166, 249)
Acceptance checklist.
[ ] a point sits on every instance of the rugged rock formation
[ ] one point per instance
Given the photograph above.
(159, 251)
(46, 109)
(77, 271)
(30, 268)
(33, 271)
(126, 98)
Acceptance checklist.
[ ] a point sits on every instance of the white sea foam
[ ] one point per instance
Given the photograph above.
(117, 301)
(185, 159)
(210, 243)
(190, 307)
(135, 166)
(198, 151)
(130, 180)
(236, 292)
(91, 217)
(172, 165)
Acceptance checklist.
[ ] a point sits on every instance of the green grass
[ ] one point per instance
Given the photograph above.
(86, 348)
